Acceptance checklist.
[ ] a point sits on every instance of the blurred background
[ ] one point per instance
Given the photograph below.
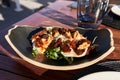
(9, 16)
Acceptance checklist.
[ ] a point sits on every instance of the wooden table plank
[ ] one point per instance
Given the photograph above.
(65, 9)
(114, 1)
(8, 64)
(12, 67)
(58, 75)
(38, 19)
(4, 75)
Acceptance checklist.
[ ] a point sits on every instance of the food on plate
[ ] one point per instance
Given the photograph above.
(60, 43)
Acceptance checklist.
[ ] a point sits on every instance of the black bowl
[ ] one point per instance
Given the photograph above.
(18, 36)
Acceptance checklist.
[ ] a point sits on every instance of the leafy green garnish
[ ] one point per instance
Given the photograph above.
(34, 52)
(56, 54)
(69, 59)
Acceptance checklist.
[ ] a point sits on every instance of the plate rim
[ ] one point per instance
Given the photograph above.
(52, 67)
(113, 10)
(98, 73)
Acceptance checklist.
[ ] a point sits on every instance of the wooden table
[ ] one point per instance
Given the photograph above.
(57, 14)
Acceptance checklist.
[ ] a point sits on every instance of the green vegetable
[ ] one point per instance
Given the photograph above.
(69, 59)
(34, 52)
(56, 54)
(53, 53)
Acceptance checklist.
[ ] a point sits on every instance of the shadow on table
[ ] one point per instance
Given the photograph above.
(60, 17)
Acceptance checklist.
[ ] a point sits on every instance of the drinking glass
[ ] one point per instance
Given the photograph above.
(91, 12)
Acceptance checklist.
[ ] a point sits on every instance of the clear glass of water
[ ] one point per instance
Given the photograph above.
(91, 12)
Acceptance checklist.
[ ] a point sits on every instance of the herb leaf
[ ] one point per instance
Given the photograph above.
(56, 54)
(34, 52)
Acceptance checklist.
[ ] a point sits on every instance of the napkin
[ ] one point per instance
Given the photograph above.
(112, 20)
(104, 66)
